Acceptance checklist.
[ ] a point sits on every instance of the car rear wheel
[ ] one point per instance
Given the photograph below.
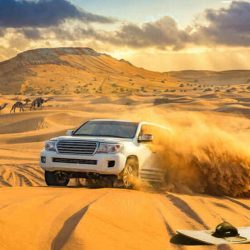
(130, 173)
(56, 179)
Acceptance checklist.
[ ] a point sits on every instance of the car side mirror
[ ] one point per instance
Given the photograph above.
(70, 132)
(145, 138)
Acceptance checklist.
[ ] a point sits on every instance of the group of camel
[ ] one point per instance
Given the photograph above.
(37, 103)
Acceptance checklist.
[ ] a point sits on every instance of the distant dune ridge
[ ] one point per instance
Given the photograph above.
(70, 70)
(83, 70)
(210, 77)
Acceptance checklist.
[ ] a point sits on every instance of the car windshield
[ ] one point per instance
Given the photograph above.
(108, 129)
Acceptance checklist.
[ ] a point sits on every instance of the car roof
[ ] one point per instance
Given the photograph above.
(112, 120)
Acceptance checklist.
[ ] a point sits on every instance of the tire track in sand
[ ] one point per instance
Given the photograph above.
(239, 203)
(186, 209)
(169, 229)
(69, 226)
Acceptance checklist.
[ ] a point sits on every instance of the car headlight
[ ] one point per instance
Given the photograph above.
(109, 148)
(50, 145)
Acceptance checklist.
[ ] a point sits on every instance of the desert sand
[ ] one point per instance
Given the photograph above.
(34, 216)
(206, 153)
(78, 218)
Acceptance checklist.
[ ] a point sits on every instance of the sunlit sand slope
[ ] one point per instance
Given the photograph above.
(76, 218)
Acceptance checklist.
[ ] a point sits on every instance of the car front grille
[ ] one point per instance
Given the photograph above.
(76, 147)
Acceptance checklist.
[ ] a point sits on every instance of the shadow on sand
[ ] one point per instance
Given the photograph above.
(179, 239)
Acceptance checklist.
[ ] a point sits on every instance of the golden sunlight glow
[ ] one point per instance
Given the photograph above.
(196, 58)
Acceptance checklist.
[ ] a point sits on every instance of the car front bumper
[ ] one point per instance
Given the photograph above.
(106, 164)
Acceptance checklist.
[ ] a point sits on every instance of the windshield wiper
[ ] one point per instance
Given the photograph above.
(116, 136)
(82, 135)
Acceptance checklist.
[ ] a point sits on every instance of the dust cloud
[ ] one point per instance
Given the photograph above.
(201, 153)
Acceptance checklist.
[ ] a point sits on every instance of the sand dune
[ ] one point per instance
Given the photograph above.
(82, 218)
(76, 218)
(238, 109)
(63, 71)
(73, 70)
(21, 175)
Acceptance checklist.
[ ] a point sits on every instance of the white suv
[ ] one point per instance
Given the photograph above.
(101, 151)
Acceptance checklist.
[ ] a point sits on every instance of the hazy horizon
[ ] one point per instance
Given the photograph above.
(160, 35)
(139, 66)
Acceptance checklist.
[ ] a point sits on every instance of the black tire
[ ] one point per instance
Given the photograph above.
(93, 183)
(56, 179)
(108, 182)
(130, 173)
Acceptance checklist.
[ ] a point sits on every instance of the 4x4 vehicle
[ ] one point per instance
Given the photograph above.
(101, 150)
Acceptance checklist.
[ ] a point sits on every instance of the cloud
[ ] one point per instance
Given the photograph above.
(226, 26)
(2, 32)
(31, 33)
(43, 13)
(161, 33)
(60, 23)
(223, 27)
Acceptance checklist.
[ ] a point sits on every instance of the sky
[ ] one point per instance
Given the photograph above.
(148, 10)
(160, 35)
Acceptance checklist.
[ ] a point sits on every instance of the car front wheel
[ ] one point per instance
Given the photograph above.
(56, 179)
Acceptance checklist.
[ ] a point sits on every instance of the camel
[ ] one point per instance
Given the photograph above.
(27, 100)
(38, 103)
(20, 105)
(16, 105)
(3, 106)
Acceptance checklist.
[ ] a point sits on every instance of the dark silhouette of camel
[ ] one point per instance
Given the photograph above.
(19, 105)
(27, 100)
(16, 105)
(38, 103)
(3, 106)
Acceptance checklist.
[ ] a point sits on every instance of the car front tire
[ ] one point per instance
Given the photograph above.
(56, 179)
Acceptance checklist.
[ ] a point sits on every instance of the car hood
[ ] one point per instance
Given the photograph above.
(90, 138)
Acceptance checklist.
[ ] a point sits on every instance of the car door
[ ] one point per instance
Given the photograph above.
(149, 169)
